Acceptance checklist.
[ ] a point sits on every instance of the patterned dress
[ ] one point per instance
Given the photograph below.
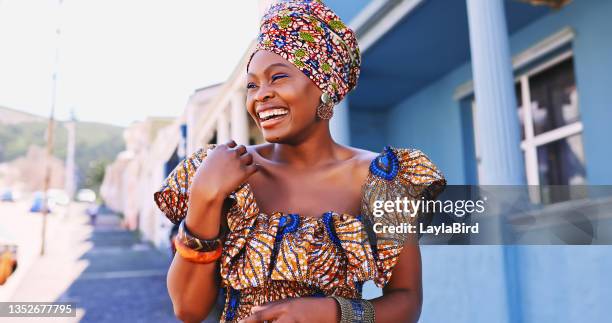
(268, 257)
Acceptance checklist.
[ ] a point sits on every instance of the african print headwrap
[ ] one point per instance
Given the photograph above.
(312, 37)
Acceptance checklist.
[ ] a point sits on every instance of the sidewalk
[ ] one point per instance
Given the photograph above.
(106, 270)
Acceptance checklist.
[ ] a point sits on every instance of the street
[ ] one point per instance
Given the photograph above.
(107, 271)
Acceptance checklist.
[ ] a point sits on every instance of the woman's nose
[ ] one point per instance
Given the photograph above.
(263, 93)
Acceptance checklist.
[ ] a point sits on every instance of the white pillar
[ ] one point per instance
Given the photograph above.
(223, 131)
(240, 123)
(498, 124)
(339, 123)
(499, 146)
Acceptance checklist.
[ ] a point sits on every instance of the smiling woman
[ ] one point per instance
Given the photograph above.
(285, 227)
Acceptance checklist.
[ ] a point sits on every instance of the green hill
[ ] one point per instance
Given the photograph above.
(97, 144)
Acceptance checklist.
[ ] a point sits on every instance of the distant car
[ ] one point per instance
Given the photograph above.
(59, 197)
(8, 257)
(7, 195)
(37, 203)
(86, 195)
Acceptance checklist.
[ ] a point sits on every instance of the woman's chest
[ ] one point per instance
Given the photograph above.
(308, 194)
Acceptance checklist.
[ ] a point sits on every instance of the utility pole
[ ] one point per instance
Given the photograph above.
(70, 180)
(50, 135)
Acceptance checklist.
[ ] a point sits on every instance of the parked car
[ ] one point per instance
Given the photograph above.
(58, 197)
(86, 195)
(37, 203)
(8, 257)
(7, 195)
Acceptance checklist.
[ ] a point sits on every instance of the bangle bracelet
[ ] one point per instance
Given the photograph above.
(200, 257)
(192, 242)
(355, 310)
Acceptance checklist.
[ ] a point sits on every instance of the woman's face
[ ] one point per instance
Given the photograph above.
(280, 98)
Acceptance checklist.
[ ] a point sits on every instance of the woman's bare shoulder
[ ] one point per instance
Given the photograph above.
(362, 160)
(363, 155)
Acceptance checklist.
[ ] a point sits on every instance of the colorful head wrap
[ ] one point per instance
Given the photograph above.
(312, 37)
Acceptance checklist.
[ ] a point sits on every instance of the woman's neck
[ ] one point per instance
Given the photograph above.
(317, 149)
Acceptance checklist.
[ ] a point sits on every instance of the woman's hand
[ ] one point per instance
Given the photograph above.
(296, 310)
(224, 168)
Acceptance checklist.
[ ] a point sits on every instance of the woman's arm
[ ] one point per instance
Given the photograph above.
(193, 287)
(403, 296)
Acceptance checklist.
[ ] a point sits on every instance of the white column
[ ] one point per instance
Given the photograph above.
(499, 146)
(339, 123)
(240, 123)
(498, 124)
(223, 131)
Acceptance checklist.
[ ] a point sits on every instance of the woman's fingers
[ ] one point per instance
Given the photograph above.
(240, 150)
(251, 169)
(265, 313)
(231, 143)
(246, 159)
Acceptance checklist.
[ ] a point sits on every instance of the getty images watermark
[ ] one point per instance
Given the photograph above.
(412, 207)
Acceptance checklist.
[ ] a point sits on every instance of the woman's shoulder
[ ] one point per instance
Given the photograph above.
(405, 158)
(406, 167)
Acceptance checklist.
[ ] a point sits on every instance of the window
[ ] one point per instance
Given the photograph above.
(551, 130)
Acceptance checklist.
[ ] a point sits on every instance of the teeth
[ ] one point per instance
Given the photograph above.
(272, 113)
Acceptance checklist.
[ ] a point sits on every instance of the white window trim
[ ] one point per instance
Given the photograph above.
(553, 135)
(531, 142)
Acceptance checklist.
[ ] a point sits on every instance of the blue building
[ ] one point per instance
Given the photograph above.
(494, 92)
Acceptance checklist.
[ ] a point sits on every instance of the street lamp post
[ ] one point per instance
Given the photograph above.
(50, 134)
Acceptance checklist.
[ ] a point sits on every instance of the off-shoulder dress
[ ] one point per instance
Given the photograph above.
(268, 257)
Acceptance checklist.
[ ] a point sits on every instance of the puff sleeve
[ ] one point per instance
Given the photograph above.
(172, 197)
(397, 174)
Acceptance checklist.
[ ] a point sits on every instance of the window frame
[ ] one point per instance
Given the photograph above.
(532, 142)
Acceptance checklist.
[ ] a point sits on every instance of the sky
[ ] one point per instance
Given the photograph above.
(119, 60)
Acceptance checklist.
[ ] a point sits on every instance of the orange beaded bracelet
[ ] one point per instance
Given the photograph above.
(200, 257)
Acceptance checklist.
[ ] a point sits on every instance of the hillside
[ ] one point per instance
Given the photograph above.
(12, 116)
(97, 144)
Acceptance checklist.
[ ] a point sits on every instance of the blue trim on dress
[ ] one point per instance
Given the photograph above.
(386, 165)
(286, 224)
(331, 231)
(234, 300)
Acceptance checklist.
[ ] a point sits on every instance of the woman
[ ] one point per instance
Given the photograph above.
(286, 228)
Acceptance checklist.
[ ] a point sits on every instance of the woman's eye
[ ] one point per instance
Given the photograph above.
(278, 76)
(250, 85)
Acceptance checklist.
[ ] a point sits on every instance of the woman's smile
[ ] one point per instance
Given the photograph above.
(271, 117)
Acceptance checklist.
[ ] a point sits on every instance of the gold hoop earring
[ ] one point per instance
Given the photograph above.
(325, 110)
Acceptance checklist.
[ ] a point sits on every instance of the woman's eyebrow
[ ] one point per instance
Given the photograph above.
(271, 66)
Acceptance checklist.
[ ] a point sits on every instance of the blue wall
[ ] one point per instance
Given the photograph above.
(431, 121)
(346, 10)
(506, 283)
